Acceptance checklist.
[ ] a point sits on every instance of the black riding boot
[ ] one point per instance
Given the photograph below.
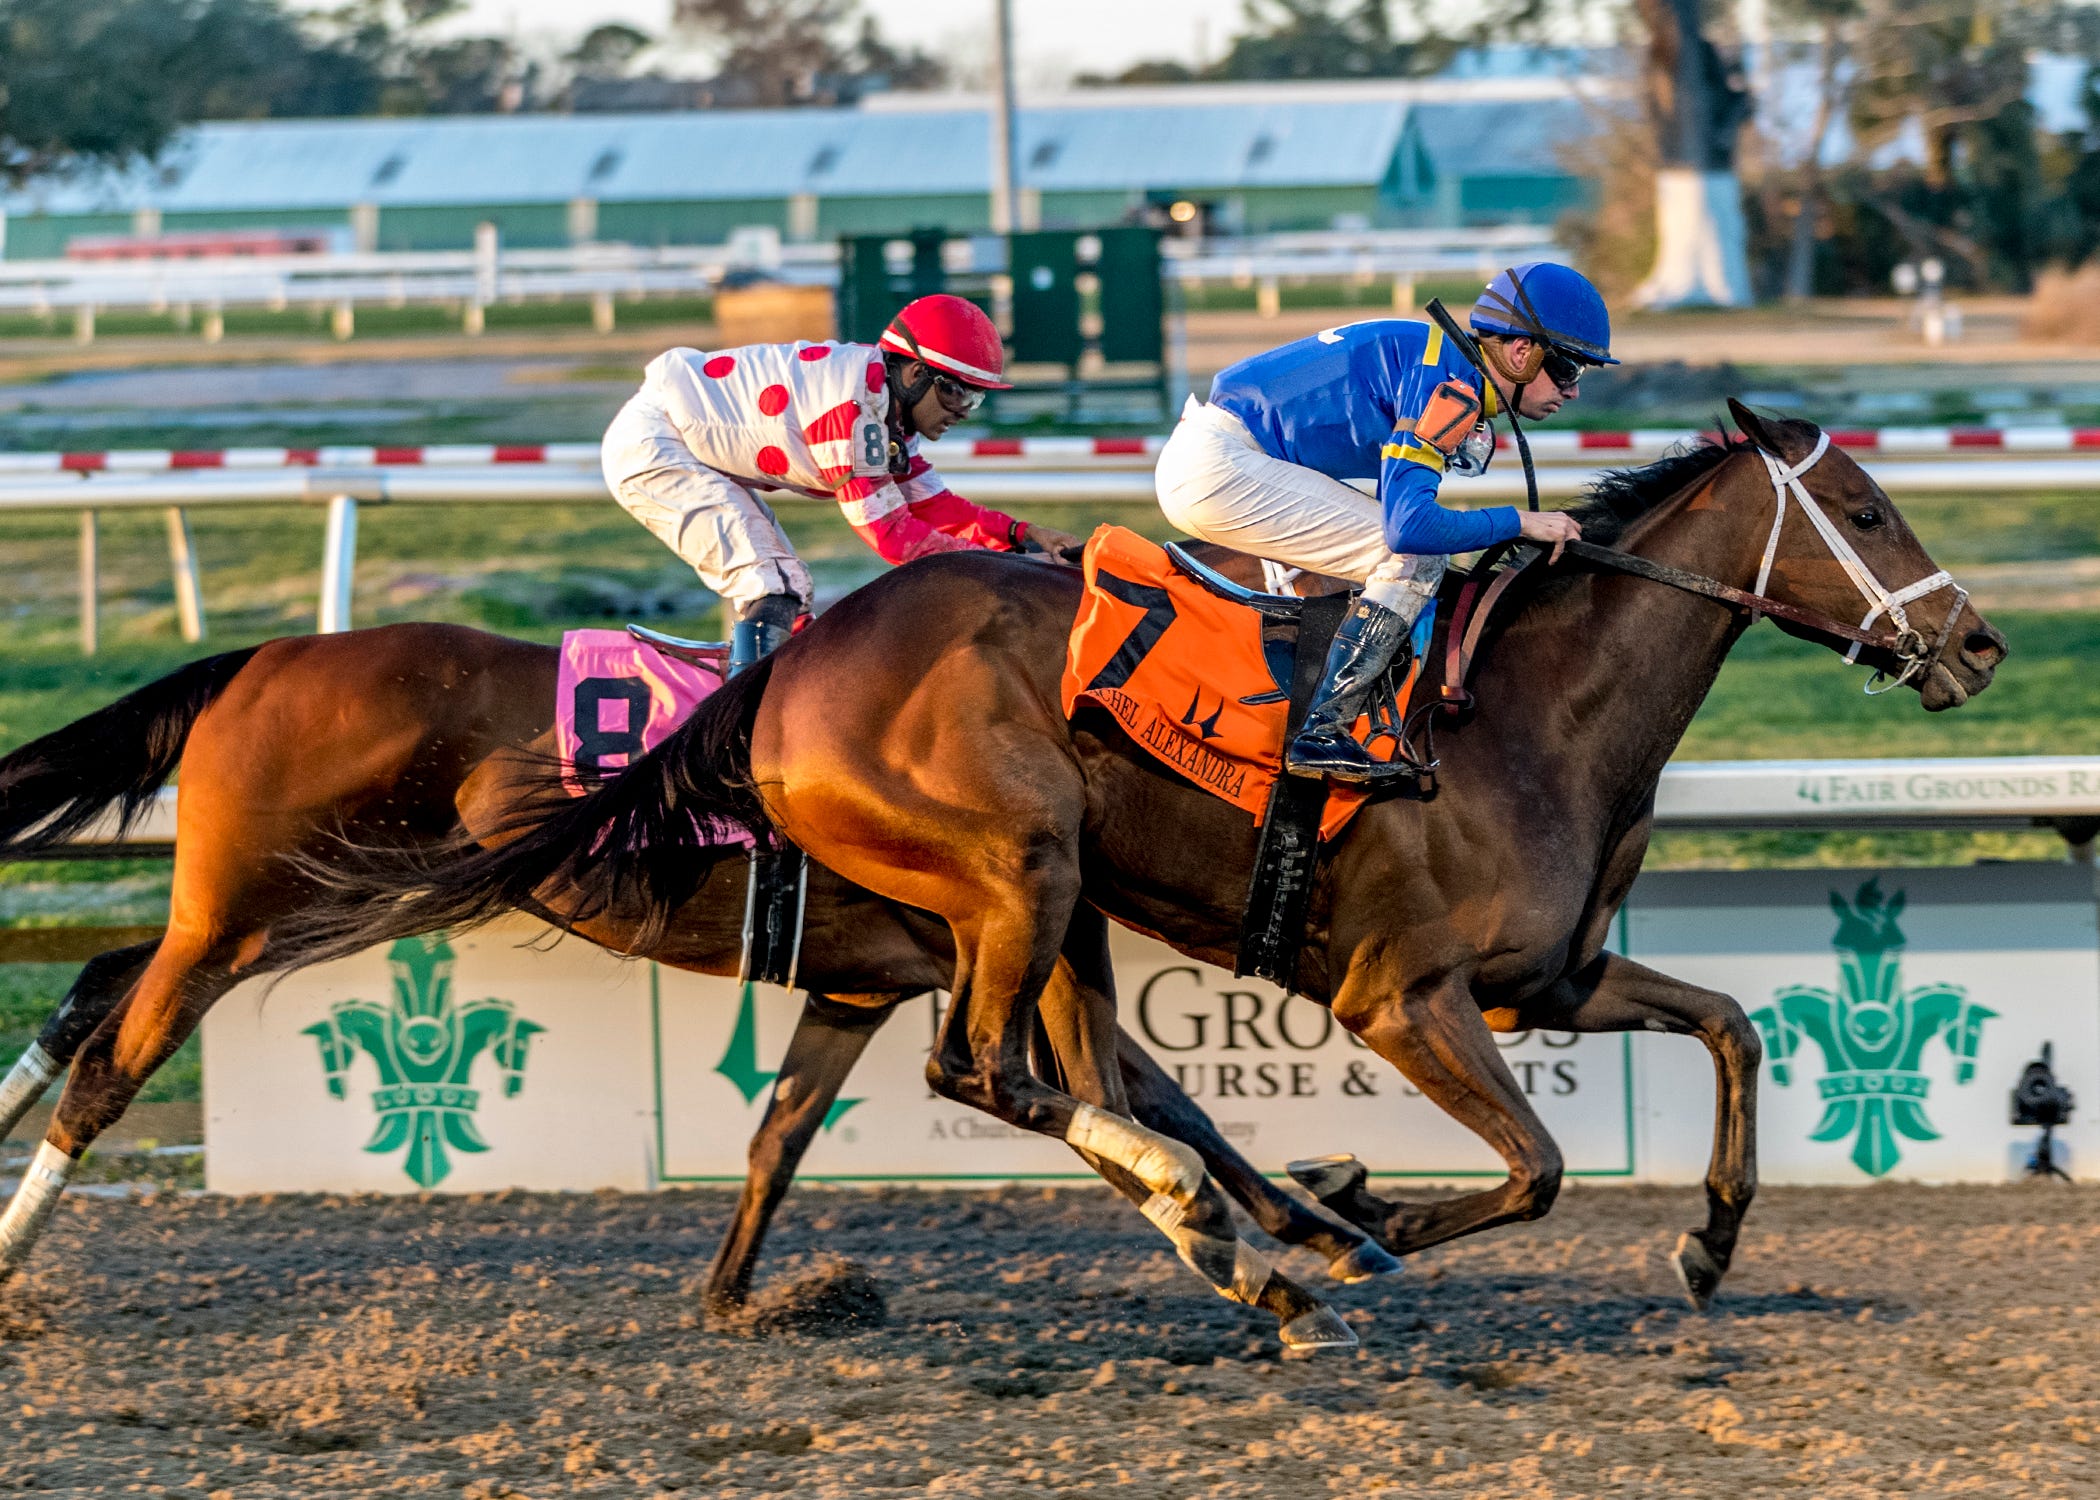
(1371, 638)
(760, 628)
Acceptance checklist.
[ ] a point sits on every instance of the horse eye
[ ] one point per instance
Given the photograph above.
(1867, 519)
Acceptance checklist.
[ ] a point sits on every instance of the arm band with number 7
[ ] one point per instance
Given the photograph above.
(1453, 412)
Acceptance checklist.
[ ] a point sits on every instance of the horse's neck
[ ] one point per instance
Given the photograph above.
(1605, 677)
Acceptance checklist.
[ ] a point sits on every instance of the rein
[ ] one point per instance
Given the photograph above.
(1907, 645)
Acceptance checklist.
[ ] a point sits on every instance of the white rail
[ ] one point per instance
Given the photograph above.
(960, 451)
(572, 481)
(477, 278)
(1998, 792)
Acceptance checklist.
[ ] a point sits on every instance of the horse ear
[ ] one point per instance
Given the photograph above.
(1756, 428)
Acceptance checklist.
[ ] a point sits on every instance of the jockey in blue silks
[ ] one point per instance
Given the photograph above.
(1260, 467)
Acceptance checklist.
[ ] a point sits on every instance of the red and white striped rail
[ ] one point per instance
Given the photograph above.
(167, 460)
(1019, 453)
(1904, 440)
(1029, 450)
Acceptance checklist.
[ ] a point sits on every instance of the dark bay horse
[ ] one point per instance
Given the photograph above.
(913, 742)
(402, 736)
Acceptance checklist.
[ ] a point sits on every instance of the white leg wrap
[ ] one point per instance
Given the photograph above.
(25, 1084)
(1241, 1278)
(1165, 1213)
(34, 1203)
(1163, 1165)
(1250, 1273)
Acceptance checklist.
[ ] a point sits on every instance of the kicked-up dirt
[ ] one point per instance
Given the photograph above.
(1879, 1341)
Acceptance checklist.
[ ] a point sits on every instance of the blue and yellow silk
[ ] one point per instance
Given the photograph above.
(1344, 402)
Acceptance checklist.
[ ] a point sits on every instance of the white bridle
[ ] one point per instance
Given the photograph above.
(1909, 646)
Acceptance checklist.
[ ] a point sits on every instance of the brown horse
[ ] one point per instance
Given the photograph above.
(403, 735)
(913, 741)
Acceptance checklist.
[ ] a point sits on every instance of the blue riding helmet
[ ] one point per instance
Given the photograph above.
(1552, 303)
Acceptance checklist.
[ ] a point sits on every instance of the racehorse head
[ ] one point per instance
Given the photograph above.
(1834, 544)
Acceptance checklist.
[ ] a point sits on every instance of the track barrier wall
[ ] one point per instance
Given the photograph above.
(1898, 1009)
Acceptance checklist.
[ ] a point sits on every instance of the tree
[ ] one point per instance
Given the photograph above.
(1936, 91)
(1322, 39)
(1307, 39)
(776, 52)
(607, 51)
(1697, 105)
(108, 82)
(461, 75)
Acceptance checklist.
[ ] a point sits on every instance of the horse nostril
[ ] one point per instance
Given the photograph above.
(1982, 645)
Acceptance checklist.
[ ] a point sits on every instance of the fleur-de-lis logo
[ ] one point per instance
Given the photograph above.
(1872, 1033)
(424, 1047)
(739, 1062)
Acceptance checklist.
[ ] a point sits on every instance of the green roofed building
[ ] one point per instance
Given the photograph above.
(1256, 157)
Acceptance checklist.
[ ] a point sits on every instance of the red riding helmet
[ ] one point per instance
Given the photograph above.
(951, 335)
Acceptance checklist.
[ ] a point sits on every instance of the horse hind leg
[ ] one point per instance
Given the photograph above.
(829, 1039)
(180, 982)
(1078, 1019)
(101, 985)
(1157, 1102)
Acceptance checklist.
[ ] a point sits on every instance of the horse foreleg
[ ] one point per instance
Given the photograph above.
(102, 983)
(1440, 1043)
(1078, 1018)
(829, 1039)
(1617, 994)
(1158, 1102)
(179, 984)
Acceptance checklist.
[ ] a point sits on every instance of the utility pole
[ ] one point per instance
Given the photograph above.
(1006, 176)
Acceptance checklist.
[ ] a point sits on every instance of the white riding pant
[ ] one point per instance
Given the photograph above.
(730, 537)
(1215, 482)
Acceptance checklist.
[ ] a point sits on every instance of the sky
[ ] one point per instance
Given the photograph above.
(1053, 38)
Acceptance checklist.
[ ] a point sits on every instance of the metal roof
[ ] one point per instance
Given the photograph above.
(1494, 140)
(1103, 140)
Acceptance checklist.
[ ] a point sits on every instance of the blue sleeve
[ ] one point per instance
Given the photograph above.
(1409, 474)
(1416, 523)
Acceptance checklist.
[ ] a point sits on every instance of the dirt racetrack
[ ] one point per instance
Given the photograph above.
(1879, 1341)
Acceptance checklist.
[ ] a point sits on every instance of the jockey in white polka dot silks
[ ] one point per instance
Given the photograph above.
(832, 420)
(1260, 468)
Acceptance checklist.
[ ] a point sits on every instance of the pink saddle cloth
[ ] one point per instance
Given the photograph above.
(615, 700)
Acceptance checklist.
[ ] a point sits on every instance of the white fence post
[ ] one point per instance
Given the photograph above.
(90, 585)
(338, 565)
(488, 265)
(189, 593)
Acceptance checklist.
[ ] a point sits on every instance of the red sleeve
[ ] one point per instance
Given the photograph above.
(877, 510)
(933, 502)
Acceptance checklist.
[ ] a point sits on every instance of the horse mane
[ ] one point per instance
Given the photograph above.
(1619, 497)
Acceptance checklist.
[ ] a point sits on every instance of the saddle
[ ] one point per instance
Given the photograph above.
(618, 696)
(1213, 678)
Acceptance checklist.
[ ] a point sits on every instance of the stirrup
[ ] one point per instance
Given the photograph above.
(1373, 772)
(710, 654)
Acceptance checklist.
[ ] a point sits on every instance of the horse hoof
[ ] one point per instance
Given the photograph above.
(1322, 1328)
(1697, 1271)
(1326, 1176)
(1366, 1262)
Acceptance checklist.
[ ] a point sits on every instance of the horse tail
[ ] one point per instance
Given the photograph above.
(54, 787)
(640, 846)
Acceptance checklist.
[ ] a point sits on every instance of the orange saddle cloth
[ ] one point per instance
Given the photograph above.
(1183, 670)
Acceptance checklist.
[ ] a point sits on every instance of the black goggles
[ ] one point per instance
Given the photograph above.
(1564, 370)
(956, 396)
